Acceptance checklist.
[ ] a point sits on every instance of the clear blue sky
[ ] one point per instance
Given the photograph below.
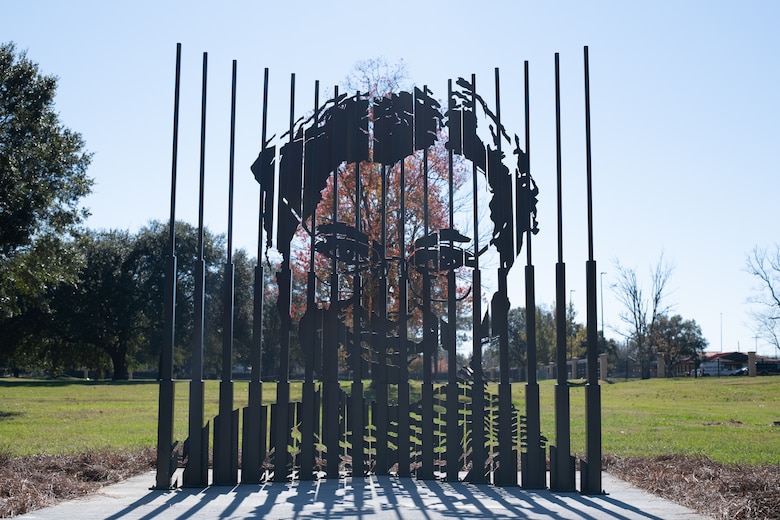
(684, 96)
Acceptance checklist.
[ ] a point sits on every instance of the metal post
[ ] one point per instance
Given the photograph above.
(478, 457)
(332, 391)
(253, 451)
(225, 433)
(507, 472)
(165, 458)
(561, 461)
(281, 418)
(357, 418)
(591, 478)
(196, 472)
(308, 414)
(380, 420)
(534, 472)
(404, 447)
(454, 450)
(426, 472)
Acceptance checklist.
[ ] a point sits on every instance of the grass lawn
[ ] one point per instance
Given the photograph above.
(729, 419)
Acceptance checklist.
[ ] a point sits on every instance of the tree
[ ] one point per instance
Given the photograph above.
(105, 310)
(545, 337)
(150, 243)
(641, 313)
(677, 339)
(764, 265)
(110, 315)
(42, 180)
(243, 277)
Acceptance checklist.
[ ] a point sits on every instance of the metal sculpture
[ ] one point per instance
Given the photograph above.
(377, 300)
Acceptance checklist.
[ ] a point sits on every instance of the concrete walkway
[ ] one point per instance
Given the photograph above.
(369, 498)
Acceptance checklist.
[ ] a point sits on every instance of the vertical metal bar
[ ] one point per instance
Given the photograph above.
(282, 419)
(379, 420)
(358, 420)
(174, 154)
(252, 455)
(589, 175)
(308, 416)
(453, 438)
(331, 346)
(592, 391)
(561, 461)
(165, 466)
(426, 472)
(534, 472)
(507, 472)
(225, 435)
(196, 466)
(478, 390)
(404, 447)
(311, 282)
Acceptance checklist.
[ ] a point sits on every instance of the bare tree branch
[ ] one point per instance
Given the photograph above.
(641, 314)
(765, 266)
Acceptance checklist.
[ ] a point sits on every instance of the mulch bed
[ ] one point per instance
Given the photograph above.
(33, 482)
(722, 491)
(736, 491)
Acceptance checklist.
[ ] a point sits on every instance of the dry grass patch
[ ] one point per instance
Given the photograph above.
(31, 482)
(733, 491)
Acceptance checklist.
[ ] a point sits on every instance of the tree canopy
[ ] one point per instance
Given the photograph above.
(43, 177)
(677, 338)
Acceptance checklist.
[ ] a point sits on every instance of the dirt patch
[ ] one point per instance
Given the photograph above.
(737, 491)
(730, 422)
(30, 483)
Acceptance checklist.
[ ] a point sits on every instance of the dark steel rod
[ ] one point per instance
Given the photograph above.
(380, 420)
(308, 414)
(507, 471)
(588, 155)
(453, 438)
(282, 427)
(527, 99)
(478, 475)
(561, 461)
(252, 455)
(357, 419)
(592, 391)
(403, 354)
(232, 161)
(430, 345)
(175, 154)
(225, 434)
(165, 460)
(534, 472)
(227, 345)
(196, 467)
(332, 392)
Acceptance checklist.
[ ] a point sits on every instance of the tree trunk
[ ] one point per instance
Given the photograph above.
(119, 361)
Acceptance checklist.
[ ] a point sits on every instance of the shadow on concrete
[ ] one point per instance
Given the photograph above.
(376, 497)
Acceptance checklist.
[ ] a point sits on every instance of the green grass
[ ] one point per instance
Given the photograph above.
(729, 420)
